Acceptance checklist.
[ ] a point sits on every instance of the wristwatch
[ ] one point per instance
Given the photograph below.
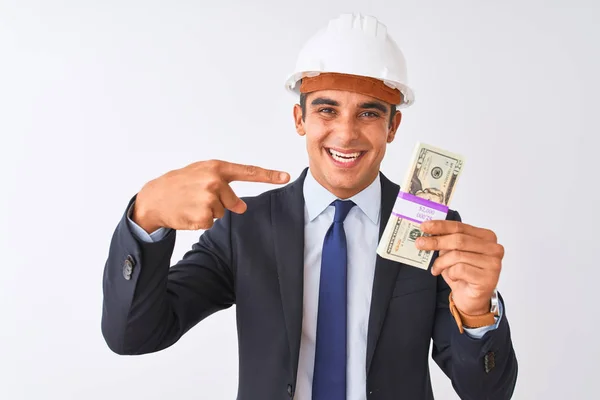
(495, 309)
(475, 321)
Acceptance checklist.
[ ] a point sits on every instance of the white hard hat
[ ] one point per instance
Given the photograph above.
(356, 45)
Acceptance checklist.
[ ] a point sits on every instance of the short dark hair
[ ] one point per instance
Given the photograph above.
(393, 109)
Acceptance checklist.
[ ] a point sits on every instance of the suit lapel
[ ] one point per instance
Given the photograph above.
(287, 219)
(386, 272)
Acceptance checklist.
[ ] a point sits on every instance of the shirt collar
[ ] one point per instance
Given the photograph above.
(317, 198)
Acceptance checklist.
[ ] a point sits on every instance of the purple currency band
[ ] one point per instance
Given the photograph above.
(423, 202)
(418, 209)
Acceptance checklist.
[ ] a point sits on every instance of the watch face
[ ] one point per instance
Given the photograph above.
(494, 309)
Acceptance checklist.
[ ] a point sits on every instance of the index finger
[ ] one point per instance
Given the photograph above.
(252, 173)
(460, 242)
(447, 227)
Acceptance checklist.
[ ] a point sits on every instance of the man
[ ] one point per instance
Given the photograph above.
(319, 314)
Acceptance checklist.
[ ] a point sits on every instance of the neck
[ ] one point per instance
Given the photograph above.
(346, 192)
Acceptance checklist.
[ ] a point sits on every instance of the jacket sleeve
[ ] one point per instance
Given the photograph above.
(148, 304)
(479, 368)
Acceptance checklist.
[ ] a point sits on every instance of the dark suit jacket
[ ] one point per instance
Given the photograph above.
(255, 261)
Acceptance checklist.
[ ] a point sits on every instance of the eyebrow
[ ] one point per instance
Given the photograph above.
(376, 105)
(324, 101)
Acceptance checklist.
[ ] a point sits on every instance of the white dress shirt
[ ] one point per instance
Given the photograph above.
(362, 232)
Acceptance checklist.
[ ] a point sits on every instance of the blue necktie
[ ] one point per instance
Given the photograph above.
(329, 379)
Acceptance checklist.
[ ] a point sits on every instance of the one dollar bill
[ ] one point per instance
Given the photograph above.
(433, 175)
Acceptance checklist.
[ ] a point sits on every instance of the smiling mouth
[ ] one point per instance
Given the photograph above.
(345, 158)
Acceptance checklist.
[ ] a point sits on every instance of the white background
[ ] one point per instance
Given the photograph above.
(98, 97)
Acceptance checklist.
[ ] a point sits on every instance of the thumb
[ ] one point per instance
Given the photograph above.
(231, 201)
(239, 207)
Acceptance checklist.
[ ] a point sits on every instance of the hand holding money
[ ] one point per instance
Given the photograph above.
(425, 194)
(470, 258)
(470, 261)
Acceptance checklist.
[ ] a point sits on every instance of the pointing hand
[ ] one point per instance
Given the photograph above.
(191, 198)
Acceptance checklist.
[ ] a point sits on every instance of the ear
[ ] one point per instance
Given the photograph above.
(394, 126)
(298, 120)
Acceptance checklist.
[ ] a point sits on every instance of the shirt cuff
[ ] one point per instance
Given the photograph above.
(477, 333)
(141, 234)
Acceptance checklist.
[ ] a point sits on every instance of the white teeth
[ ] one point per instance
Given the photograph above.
(343, 157)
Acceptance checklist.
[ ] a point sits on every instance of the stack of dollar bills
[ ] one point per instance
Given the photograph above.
(424, 195)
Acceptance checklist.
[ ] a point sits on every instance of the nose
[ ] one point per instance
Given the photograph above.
(347, 127)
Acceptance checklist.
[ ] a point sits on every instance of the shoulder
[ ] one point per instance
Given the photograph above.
(257, 206)
(292, 190)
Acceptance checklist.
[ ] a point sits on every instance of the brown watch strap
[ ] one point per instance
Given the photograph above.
(469, 321)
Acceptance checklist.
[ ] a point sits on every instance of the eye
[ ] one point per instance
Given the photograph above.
(326, 110)
(370, 114)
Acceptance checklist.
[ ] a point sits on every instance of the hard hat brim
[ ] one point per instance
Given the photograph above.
(292, 85)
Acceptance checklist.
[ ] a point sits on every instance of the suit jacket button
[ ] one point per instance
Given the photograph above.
(128, 267)
(489, 361)
(290, 391)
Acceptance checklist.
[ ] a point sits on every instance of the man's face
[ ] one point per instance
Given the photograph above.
(346, 137)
